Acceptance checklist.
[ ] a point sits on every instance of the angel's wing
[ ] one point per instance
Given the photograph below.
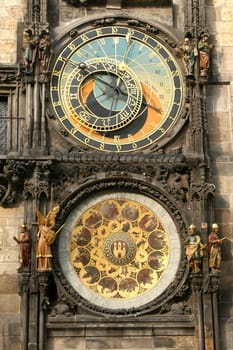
(40, 217)
(51, 216)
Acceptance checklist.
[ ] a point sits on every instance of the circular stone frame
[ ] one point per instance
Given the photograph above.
(174, 275)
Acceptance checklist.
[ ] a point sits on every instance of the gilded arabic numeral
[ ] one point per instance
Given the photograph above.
(84, 38)
(73, 131)
(118, 147)
(99, 32)
(149, 139)
(101, 146)
(162, 130)
(157, 47)
(115, 30)
(63, 118)
(175, 73)
(56, 104)
(56, 72)
(131, 32)
(145, 38)
(72, 46)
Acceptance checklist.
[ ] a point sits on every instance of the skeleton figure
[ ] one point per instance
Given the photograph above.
(44, 51)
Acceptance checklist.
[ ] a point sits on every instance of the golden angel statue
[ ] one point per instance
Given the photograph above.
(45, 237)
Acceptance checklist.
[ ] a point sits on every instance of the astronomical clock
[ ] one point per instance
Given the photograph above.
(117, 88)
(106, 139)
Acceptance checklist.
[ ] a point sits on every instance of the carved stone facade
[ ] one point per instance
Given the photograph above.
(153, 299)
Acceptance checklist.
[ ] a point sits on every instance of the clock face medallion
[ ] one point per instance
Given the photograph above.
(116, 89)
(119, 250)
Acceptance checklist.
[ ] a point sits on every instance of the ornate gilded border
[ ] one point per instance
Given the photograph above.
(141, 189)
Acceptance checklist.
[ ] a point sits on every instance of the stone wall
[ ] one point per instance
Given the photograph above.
(220, 129)
(11, 14)
(10, 324)
(144, 335)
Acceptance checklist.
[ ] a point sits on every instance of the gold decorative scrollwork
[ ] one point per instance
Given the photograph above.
(119, 248)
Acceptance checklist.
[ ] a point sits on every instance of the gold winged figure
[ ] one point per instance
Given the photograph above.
(45, 237)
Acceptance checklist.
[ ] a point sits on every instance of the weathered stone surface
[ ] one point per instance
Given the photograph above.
(8, 283)
(10, 332)
(219, 15)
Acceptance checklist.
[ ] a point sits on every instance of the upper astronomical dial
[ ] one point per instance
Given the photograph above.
(116, 89)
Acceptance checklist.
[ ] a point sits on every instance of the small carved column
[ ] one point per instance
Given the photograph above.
(43, 278)
(23, 290)
(197, 287)
(211, 312)
(44, 60)
(29, 81)
(36, 194)
(36, 55)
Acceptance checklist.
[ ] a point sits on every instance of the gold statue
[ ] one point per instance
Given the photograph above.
(215, 245)
(194, 249)
(45, 237)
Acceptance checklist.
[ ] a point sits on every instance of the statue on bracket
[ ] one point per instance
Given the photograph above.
(24, 242)
(214, 247)
(45, 237)
(189, 53)
(194, 249)
(204, 48)
(44, 46)
(29, 50)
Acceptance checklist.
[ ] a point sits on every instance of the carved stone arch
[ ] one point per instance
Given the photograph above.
(171, 35)
(85, 196)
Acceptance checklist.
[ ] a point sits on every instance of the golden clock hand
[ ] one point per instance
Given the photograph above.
(153, 107)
